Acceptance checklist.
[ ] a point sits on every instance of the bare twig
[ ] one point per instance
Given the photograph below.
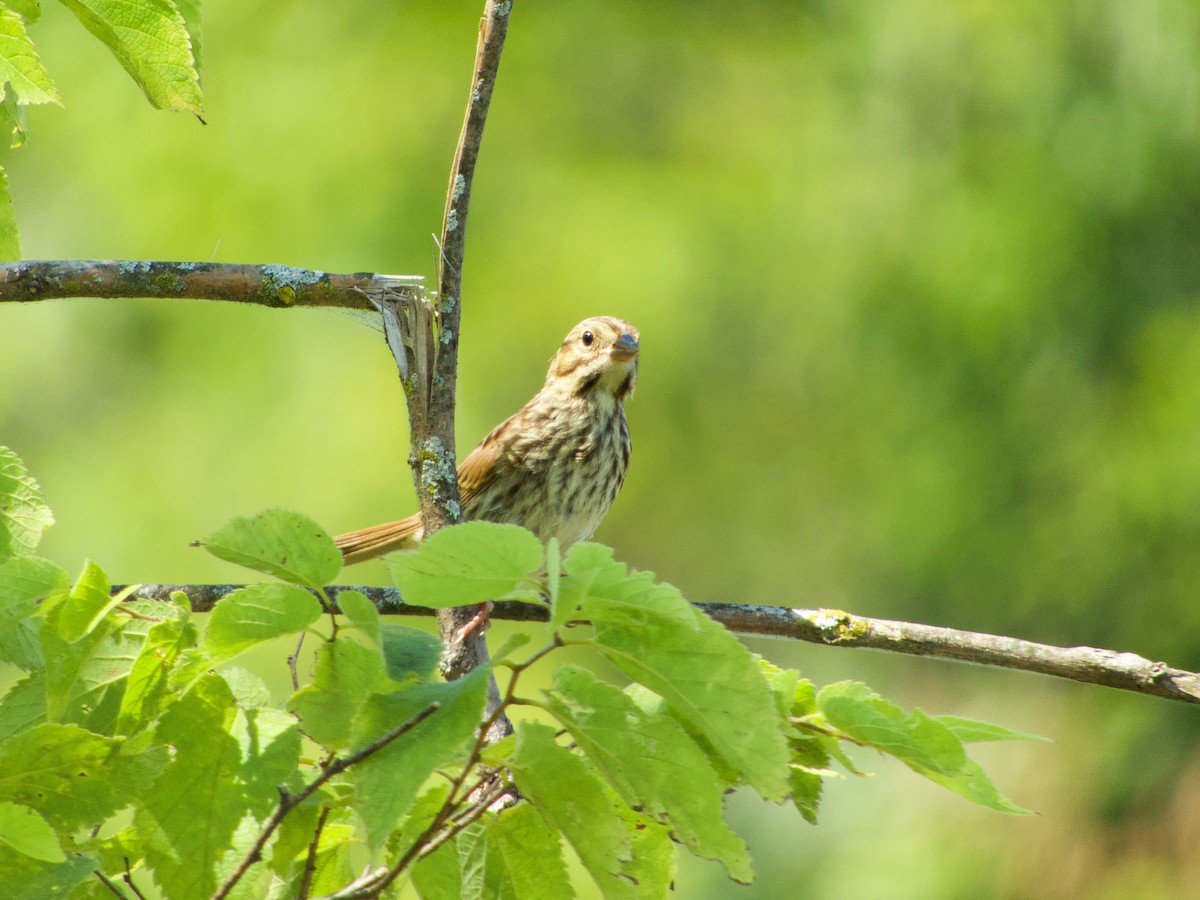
(276, 286)
(127, 877)
(835, 628)
(107, 882)
(293, 660)
(310, 861)
(288, 802)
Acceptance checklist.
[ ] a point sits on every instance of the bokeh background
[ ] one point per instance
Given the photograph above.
(919, 290)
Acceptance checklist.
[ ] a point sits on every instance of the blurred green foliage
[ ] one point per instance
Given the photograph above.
(919, 287)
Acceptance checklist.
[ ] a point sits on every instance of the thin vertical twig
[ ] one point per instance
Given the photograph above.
(470, 652)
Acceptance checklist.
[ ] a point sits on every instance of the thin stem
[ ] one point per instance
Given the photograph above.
(107, 882)
(288, 802)
(310, 861)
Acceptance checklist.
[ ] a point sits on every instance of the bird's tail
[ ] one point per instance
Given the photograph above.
(367, 543)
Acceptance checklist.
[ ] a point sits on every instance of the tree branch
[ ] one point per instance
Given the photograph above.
(465, 649)
(280, 287)
(834, 628)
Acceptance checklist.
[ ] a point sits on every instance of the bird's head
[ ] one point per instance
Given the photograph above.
(600, 354)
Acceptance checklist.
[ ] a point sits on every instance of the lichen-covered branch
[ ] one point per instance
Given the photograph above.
(835, 628)
(281, 287)
(463, 655)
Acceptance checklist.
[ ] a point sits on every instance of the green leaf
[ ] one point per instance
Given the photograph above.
(10, 249)
(62, 772)
(190, 10)
(29, 10)
(260, 612)
(23, 516)
(569, 796)
(924, 744)
(709, 679)
(86, 679)
(970, 731)
(147, 687)
(971, 782)
(467, 563)
(409, 652)
(652, 865)
(20, 67)
(25, 580)
(806, 790)
(386, 782)
(913, 738)
(345, 675)
(522, 856)
(27, 879)
(24, 705)
(279, 542)
(437, 875)
(361, 611)
(183, 841)
(151, 42)
(270, 743)
(87, 604)
(27, 832)
(652, 764)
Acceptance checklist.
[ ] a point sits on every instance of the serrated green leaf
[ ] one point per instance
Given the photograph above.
(522, 856)
(295, 834)
(184, 841)
(148, 683)
(709, 679)
(270, 744)
(651, 763)
(20, 68)
(279, 542)
(25, 580)
(260, 612)
(27, 879)
(87, 604)
(249, 690)
(436, 876)
(409, 652)
(806, 790)
(386, 782)
(193, 21)
(60, 770)
(651, 868)
(464, 564)
(913, 738)
(27, 832)
(971, 782)
(345, 675)
(29, 10)
(86, 679)
(361, 611)
(970, 731)
(24, 706)
(334, 863)
(23, 515)
(571, 798)
(151, 42)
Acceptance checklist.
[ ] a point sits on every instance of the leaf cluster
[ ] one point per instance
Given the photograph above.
(156, 41)
(133, 748)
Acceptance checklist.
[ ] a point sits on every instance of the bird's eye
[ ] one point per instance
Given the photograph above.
(588, 337)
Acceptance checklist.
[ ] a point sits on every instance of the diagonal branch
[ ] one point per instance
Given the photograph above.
(834, 628)
(280, 287)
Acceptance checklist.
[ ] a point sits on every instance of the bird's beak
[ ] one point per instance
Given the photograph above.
(625, 347)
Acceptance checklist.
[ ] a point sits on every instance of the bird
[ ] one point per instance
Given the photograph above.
(556, 465)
